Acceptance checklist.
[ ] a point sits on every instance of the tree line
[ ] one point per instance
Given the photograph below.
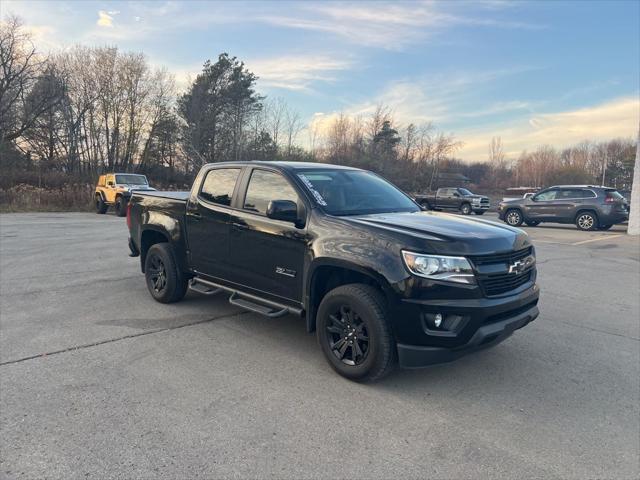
(68, 116)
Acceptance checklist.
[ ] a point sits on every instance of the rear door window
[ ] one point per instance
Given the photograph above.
(219, 184)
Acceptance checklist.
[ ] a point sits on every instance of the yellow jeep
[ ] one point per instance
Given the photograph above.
(115, 189)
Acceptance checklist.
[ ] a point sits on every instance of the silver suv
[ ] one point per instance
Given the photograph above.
(589, 207)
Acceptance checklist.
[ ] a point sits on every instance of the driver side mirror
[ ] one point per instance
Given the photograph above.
(110, 184)
(456, 194)
(285, 210)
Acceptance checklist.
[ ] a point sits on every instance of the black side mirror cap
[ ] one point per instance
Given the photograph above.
(285, 210)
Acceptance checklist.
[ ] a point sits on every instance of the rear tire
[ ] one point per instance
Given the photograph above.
(165, 281)
(465, 209)
(513, 217)
(586, 221)
(354, 333)
(121, 207)
(101, 207)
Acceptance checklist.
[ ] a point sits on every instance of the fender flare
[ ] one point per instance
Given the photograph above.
(341, 264)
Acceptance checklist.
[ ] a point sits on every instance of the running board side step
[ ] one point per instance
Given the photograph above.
(244, 300)
(197, 286)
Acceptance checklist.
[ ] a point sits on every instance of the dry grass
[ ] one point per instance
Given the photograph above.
(66, 198)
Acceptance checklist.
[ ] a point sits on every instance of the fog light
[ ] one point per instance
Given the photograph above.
(442, 324)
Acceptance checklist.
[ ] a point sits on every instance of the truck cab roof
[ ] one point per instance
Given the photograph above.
(291, 166)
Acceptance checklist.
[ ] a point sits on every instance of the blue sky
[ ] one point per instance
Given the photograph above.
(530, 72)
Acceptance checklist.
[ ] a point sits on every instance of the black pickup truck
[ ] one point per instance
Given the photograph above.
(456, 199)
(380, 280)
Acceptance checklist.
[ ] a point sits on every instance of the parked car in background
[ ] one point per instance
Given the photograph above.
(589, 207)
(115, 189)
(378, 279)
(455, 198)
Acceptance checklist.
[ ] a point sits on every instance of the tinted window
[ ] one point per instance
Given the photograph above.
(548, 195)
(219, 184)
(464, 191)
(355, 192)
(265, 186)
(575, 193)
(614, 194)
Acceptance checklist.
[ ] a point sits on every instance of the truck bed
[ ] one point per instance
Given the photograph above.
(183, 196)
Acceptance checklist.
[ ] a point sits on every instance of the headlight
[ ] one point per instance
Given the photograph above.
(475, 200)
(439, 267)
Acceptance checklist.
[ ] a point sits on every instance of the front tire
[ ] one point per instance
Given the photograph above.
(165, 281)
(513, 218)
(101, 207)
(121, 207)
(587, 221)
(465, 209)
(532, 223)
(354, 333)
(604, 227)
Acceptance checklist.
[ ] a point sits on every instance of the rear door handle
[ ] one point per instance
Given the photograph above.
(241, 226)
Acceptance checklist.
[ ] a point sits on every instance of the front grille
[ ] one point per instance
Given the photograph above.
(507, 258)
(503, 282)
(484, 200)
(499, 283)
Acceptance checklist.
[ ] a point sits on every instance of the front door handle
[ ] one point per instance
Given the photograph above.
(241, 226)
(195, 216)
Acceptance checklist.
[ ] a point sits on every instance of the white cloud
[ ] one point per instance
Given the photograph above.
(616, 118)
(386, 25)
(297, 72)
(105, 19)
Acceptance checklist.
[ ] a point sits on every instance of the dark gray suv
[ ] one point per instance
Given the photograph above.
(589, 207)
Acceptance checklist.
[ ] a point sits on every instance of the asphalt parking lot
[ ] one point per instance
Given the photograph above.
(97, 380)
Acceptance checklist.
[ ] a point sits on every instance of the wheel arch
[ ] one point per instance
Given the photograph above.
(586, 210)
(326, 274)
(149, 237)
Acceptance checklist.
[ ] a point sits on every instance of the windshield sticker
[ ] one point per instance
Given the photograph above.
(313, 191)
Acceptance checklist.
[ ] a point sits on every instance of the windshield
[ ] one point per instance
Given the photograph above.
(131, 180)
(355, 192)
(465, 192)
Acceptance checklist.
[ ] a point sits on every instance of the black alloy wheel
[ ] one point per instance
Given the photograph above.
(348, 336)
(157, 274)
(354, 332)
(165, 280)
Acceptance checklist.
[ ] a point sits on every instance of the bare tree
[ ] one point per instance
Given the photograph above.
(293, 125)
(20, 69)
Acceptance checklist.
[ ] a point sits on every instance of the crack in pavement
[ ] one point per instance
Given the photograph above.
(117, 339)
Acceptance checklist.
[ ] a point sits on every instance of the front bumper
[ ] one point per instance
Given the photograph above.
(491, 320)
(480, 208)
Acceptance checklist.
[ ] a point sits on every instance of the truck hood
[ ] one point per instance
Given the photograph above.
(475, 196)
(446, 233)
(138, 187)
